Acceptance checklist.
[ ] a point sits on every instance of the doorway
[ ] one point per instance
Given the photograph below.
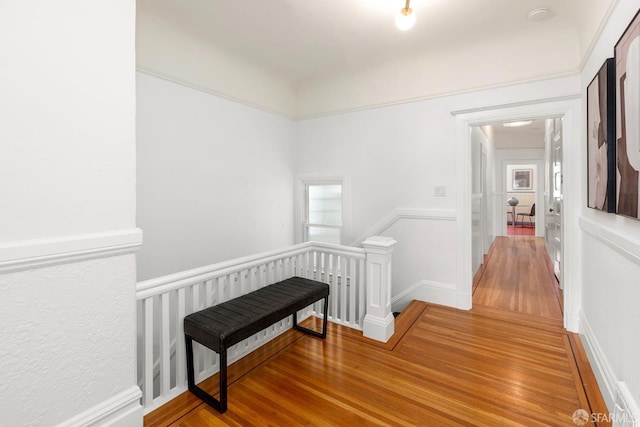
(523, 184)
(569, 112)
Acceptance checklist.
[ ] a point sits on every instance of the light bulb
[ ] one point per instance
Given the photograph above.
(517, 124)
(405, 19)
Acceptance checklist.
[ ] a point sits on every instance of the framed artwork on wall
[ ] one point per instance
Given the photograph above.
(522, 179)
(601, 137)
(627, 57)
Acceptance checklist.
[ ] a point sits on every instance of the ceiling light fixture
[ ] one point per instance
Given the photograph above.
(405, 18)
(539, 14)
(517, 124)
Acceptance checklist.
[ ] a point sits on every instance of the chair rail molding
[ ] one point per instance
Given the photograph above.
(37, 253)
(625, 245)
(406, 213)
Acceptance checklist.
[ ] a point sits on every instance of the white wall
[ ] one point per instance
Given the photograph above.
(395, 157)
(610, 261)
(173, 51)
(215, 178)
(67, 179)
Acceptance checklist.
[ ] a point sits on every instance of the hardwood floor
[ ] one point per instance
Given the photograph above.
(520, 231)
(517, 278)
(507, 362)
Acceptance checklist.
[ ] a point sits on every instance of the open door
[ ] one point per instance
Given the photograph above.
(554, 197)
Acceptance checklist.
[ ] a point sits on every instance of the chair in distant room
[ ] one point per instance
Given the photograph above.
(531, 214)
(512, 221)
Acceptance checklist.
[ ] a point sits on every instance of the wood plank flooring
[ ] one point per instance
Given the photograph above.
(517, 278)
(520, 231)
(507, 362)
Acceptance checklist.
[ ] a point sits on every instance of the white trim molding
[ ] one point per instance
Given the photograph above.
(406, 213)
(617, 396)
(427, 291)
(626, 410)
(203, 89)
(623, 244)
(28, 254)
(601, 368)
(567, 107)
(122, 410)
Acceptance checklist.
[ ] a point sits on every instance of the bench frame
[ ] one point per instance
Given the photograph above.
(221, 404)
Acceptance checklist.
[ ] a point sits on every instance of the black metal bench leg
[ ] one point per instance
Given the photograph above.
(326, 314)
(190, 374)
(322, 334)
(219, 405)
(223, 381)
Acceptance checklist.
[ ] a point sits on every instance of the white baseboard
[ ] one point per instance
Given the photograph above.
(626, 412)
(122, 410)
(622, 406)
(427, 291)
(601, 368)
(28, 254)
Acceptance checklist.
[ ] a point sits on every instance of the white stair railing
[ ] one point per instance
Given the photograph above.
(163, 303)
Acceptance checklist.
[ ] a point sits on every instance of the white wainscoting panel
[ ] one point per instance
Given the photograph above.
(428, 291)
(619, 400)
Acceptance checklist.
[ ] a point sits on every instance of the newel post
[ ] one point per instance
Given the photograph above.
(378, 322)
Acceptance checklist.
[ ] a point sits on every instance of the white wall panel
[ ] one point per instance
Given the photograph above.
(67, 180)
(67, 161)
(611, 290)
(215, 178)
(396, 156)
(67, 335)
(173, 52)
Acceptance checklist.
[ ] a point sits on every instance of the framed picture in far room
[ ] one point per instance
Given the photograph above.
(627, 56)
(522, 179)
(601, 137)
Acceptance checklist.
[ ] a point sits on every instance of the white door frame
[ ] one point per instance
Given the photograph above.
(570, 109)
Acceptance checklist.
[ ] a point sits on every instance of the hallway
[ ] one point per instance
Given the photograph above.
(516, 285)
(517, 277)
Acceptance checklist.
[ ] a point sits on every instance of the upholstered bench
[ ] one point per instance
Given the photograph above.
(223, 325)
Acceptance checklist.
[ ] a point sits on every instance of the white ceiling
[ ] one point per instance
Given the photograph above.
(529, 136)
(305, 39)
(310, 57)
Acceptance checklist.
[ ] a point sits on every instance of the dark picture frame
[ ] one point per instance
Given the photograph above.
(601, 139)
(627, 59)
(522, 179)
